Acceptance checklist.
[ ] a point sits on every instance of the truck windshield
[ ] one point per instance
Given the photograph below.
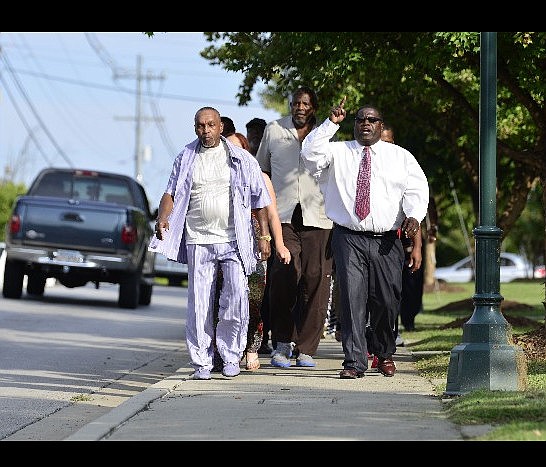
(84, 187)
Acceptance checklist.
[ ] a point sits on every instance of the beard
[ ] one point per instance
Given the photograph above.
(209, 142)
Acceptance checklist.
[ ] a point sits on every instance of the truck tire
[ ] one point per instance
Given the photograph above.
(129, 291)
(14, 274)
(36, 283)
(145, 296)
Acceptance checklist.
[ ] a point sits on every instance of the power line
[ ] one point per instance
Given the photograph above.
(132, 92)
(66, 111)
(23, 120)
(33, 109)
(101, 52)
(117, 72)
(163, 133)
(138, 118)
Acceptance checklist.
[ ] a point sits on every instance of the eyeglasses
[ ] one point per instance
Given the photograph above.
(370, 119)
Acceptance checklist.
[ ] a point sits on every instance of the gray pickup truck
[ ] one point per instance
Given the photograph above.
(81, 226)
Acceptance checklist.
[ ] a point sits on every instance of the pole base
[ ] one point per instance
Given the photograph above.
(475, 366)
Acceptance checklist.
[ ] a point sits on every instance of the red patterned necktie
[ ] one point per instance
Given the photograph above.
(362, 199)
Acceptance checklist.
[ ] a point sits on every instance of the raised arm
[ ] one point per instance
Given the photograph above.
(315, 150)
(338, 113)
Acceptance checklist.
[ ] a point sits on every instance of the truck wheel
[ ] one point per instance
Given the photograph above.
(129, 289)
(145, 296)
(13, 279)
(36, 283)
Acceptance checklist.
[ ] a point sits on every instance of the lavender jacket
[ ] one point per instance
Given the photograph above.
(248, 192)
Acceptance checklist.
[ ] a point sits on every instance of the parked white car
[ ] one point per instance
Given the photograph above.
(540, 272)
(174, 271)
(512, 266)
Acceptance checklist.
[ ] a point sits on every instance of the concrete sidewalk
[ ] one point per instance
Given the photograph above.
(282, 404)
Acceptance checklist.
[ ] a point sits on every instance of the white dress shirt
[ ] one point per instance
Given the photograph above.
(398, 186)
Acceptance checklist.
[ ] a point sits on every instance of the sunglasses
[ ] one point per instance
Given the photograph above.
(370, 119)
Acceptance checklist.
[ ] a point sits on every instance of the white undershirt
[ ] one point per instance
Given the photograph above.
(210, 215)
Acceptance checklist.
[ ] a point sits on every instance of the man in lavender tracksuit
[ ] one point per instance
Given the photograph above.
(204, 220)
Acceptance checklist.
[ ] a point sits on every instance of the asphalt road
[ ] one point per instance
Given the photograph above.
(72, 356)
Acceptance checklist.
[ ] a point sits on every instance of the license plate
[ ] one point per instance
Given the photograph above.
(69, 256)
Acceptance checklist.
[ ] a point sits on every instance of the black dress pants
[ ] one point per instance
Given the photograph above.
(369, 276)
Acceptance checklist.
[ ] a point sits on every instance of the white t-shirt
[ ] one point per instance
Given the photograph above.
(210, 214)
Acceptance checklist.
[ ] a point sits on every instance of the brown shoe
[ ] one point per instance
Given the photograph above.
(350, 373)
(386, 367)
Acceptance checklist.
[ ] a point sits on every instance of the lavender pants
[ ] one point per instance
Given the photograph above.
(231, 331)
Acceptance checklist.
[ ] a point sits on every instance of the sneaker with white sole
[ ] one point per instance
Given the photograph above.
(201, 373)
(305, 360)
(282, 354)
(231, 369)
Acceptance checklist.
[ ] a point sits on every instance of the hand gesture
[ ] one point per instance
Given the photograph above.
(338, 114)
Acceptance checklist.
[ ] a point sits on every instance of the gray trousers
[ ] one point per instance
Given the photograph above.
(369, 277)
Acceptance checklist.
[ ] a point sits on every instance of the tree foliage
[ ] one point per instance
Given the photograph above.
(8, 192)
(428, 87)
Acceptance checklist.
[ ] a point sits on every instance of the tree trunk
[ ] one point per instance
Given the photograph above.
(429, 263)
(543, 181)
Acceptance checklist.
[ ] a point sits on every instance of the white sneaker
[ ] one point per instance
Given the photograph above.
(281, 355)
(305, 360)
(201, 373)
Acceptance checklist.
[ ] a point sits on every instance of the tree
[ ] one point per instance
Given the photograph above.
(8, 192)
(431, 79)
(428, 84)
(529, 228)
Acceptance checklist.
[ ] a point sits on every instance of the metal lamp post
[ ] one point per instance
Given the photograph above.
(486, 359)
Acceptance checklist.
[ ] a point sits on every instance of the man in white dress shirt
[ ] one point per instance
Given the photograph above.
(367, 252)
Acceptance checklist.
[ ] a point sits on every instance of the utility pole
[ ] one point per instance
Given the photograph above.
(138, 118)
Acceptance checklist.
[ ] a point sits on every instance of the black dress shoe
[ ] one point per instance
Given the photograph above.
(350, 373)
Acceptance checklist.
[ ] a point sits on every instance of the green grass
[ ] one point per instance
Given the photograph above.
(512, 415)
(528, 292)
(516, 431)
(536, 375)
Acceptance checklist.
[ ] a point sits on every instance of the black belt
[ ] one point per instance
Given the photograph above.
(370, 234)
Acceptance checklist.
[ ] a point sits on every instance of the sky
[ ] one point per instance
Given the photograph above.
(70, 100)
